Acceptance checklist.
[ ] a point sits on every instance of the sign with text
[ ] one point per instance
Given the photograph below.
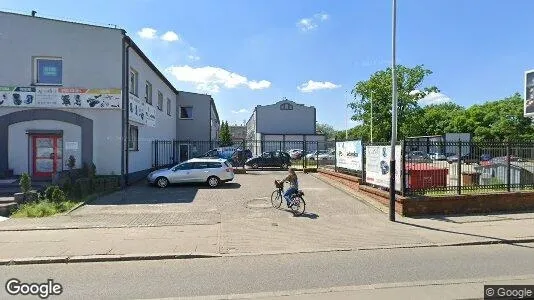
(529, 94)
(349, 155)
(377, 165)
(54, 97)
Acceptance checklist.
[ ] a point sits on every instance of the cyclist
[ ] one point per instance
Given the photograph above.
(293, 185)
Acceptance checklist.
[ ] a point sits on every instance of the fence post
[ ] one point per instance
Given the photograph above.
(403, 167)
(459, 168)
(363, 160)
(317, 154)
(305, 155)
(508, 166)
(335, 154)
(156, 154)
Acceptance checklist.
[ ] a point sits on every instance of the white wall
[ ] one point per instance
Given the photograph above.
(91, 55)
(165, 128)
(20, 147)
(198, 128)
(272, 120)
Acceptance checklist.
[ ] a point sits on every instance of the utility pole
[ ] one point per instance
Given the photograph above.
(392, 164)
(371, 117)
(346, 116)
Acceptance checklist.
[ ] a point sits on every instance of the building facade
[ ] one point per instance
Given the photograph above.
(291, 124)
(80, 93)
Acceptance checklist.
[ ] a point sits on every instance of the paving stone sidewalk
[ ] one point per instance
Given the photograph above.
(239, 222)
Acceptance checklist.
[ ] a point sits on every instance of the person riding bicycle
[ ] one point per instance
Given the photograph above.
(293, 185)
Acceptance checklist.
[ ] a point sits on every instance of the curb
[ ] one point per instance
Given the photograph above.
(101, 258)
(167, 256)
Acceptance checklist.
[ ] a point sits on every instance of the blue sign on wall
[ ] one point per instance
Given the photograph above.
(49, 71)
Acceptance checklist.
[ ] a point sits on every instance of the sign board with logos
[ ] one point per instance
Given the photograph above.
(141, 112)
(529, 94)
(377, 165)
(349, 155)
(54, 97)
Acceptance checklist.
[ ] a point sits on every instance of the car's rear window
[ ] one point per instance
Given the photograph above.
(213, 165)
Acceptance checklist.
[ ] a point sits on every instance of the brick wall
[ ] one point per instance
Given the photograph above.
(440, 205)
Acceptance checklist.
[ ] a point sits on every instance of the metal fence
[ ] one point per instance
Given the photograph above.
(467, 167)
(303, 154)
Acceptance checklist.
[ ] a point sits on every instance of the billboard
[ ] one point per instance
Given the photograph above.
(529, 94)
(349, 155)
(377, 165)
(54, 97)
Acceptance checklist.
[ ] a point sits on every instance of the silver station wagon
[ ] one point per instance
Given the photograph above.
(212, 171)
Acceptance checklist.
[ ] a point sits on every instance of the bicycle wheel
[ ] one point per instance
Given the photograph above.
(276, 199)
(298, 206)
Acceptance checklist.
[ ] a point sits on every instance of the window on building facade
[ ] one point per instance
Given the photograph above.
(160, 100)
(148, 93)
(169, 108)
(48, 71)
(286, 106)
(133, 139)
(186, 112)
(134, 76)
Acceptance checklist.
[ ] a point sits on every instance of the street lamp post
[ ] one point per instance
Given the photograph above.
(371, 117)
(393, 117)
(346, 116)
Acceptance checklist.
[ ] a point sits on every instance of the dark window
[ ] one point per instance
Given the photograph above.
(184, 166)
(49, 71)
(214, 165)
(200, 165)
(160, 100)
(133, 138)
(286, 106)
(186, 112)
(148, 93)
(169, 106)
(133, 81)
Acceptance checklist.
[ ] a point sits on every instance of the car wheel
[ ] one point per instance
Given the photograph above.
(213, 181)
(254, 166)
(284, 166)
(162, 182)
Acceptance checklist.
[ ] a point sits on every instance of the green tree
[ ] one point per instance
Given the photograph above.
(359, 132)
(437, 119)
(495, 121)
(225, 137)
(379, 88)
(327, 130)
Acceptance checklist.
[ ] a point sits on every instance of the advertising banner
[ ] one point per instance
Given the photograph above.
(137, 110)
(151, 116)
(349, 155)
(54, 97)
(377, 165)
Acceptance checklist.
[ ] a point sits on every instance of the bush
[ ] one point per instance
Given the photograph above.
(83, 187)
(25, 183)
(43, 209)
(71, 163)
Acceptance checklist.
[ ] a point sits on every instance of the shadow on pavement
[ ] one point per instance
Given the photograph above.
(496, 239)
(143, 193)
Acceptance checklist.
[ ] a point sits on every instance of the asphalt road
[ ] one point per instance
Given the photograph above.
(253, 274)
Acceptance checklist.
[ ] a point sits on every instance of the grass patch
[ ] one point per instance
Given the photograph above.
(43, 209)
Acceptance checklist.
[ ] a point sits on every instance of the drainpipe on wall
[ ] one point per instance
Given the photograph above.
(125, 111)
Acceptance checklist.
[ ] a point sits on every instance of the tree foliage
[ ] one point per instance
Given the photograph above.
(378, 90)
(327, 130)
(225, 137)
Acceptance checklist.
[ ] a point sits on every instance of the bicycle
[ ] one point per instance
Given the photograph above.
(296, 204)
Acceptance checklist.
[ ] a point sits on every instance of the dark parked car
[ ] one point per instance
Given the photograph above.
(466, 159)
(274, 159)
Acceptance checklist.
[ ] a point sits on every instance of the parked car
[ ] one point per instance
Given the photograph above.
(485, 157)
(271, 159)
(212, 171)
(240, 156)
(504, 159)
(466, 159)
(322, 155)
(437, 156)
(295, 153)
(417, 157)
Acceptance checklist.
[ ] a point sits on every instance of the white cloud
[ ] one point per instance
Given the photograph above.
(211, 79)
(147, 33)
(435, 98)
(241, 111)
(307, 24)
(259, 85)
(170, 36)
(193, 57)
(311, 86)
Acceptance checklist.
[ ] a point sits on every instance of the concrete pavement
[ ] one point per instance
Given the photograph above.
(238, 220)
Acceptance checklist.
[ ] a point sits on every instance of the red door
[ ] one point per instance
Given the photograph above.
(47, 155)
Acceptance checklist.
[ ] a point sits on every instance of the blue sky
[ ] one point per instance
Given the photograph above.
(248, 53)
